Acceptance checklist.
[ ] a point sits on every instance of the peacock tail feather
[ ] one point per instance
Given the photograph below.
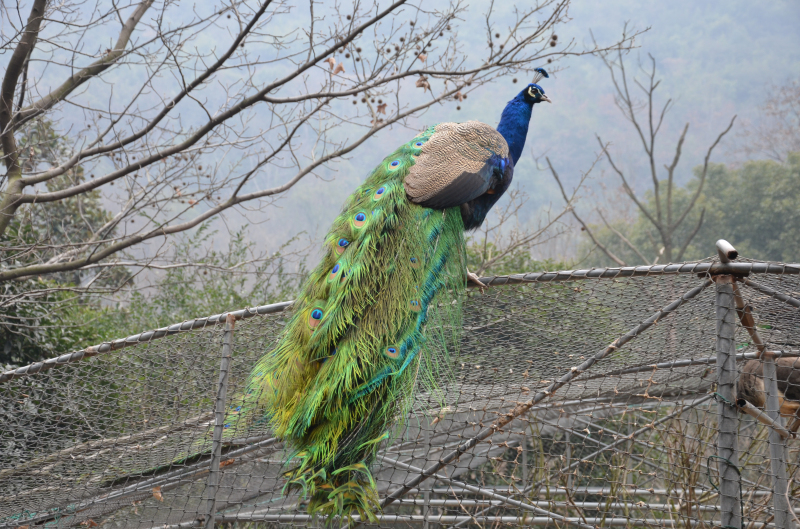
(348, 360)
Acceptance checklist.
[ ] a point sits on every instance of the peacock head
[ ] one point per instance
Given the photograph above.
(533, 93)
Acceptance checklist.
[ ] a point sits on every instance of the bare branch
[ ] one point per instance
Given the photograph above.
(93, 70)
(624, 239)
(586, 228)
(625, 185)
(671, 173)
(691, 235)
(703, 175)
(196, 132)
(11, 78)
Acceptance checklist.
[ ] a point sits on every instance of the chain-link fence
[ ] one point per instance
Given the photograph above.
(587, 398)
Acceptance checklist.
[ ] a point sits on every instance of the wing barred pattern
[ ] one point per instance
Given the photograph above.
(456, 165)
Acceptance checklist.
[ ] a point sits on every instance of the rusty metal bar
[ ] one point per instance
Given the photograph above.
(764, 418)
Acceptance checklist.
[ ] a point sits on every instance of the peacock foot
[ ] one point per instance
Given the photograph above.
(473, 278)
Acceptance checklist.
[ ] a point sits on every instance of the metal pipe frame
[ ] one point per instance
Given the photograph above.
(701, 268)
(145, 337)
(687, 362)
(540, 396)
(772, 293)
(451, 519)
(214, 468)
(722, 272)
(486, 492)
(558, 490)
(603, 449)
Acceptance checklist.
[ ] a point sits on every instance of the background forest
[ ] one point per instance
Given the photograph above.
(193, 163)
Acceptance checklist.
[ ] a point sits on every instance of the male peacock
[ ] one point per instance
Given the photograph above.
(346, 363)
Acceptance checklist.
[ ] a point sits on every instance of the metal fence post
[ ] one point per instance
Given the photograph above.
(777, 450)
(219, 423)
(727, 451)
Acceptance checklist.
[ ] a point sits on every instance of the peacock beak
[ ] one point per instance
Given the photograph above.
(545, 98)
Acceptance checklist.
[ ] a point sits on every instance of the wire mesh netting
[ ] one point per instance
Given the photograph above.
(579, 398)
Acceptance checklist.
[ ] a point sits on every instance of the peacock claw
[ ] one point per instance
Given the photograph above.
(471, 277)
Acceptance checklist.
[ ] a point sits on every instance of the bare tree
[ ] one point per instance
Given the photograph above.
(177, 119)
(664, 215)
(777, 132)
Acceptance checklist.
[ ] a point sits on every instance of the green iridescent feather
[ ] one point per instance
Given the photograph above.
(346, 365)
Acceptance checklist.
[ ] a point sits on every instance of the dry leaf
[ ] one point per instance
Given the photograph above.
(226, 463)
(157, 494)
(339, 69)
(90, 523)
(192, 202)
(422, 57)
(382, 108)
(422, 82)
(331, 61)
(459, 96)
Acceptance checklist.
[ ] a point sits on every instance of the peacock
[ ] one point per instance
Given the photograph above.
(346, 364)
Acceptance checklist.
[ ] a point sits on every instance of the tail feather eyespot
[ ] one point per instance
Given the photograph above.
(334, 272)
(314, 318)
(359, 219)
(341, 245)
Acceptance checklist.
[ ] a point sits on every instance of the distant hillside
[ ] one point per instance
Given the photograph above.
(716, 59)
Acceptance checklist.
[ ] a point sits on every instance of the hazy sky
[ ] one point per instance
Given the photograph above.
(716, 59)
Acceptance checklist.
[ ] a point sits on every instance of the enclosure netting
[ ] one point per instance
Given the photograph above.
(628, 441)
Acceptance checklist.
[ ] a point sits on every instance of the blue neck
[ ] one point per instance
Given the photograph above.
(514, 125)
